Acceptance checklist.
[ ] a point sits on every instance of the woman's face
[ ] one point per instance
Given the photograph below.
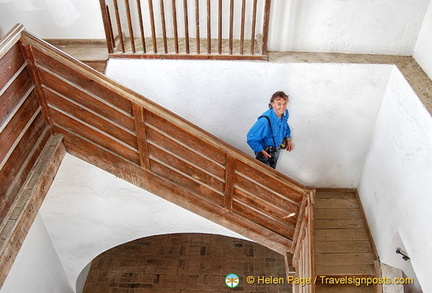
(279, 106)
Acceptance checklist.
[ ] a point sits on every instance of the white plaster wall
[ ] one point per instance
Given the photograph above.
(364, 27)
(37, 268)
(54, 19)
(333, 107)
(88, 211)
(396, 183)
(423, 48)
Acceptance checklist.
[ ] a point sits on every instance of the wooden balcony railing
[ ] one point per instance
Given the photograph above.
(192, 29)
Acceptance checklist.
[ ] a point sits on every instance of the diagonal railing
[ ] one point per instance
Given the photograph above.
(136, 139)
(65, 103)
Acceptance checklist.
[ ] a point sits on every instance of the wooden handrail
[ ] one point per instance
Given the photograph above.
(151, 106)
(226, 182)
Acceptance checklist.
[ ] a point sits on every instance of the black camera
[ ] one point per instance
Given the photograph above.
(271, 150)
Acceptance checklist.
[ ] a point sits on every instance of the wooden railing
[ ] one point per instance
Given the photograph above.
(193, 29)
(304, 247)
(29, 154)
(132, 137)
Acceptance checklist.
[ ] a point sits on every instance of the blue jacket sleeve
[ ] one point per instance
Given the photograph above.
(256, 135)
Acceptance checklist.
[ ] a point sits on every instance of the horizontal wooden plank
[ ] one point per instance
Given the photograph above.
(346, 270)
(338, 214)
(32, 195)
(187, 169)
(266, 193)
(340, 224)
(345, 259)
(14, 95)
(86, 99)
(341, 235)
(48, 63)
(77, 112)
(262, 219)
(172, 192)
(201, 191)
(339, 203)
(11, 133)
(183, 137)
(354, 246)
(171, 145)
(335, 193)
(10, 64)
(65, 125)
(284, 215)
(281, 185)
(19, 163)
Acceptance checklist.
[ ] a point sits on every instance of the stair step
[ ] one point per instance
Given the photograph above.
(343, 247)
(346, 270)
(334, 194)
(345, 258)
(340, 224)
(338, 214)
(336, 203)
(323, 235)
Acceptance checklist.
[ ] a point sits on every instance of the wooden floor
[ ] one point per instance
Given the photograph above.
(343, 244)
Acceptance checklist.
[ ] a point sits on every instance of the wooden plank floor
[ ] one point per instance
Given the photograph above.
(342, 242)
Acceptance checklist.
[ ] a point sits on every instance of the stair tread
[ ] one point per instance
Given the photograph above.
(339, 224)
(326, 214)
(334, 194)
(336, 203)
(346, 270)
(353, 246)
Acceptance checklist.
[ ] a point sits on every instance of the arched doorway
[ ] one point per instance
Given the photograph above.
(186, 262)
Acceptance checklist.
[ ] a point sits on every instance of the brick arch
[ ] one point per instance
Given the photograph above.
(184, 262)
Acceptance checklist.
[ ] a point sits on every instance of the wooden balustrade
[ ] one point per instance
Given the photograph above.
(303, 258)
(49, 95)
(234, 29)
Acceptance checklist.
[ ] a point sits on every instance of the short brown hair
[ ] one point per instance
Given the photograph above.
(278, 95)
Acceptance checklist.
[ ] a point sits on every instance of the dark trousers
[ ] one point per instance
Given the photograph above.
(269, 162)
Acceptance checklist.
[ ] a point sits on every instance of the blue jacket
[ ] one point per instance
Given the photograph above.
(259, 136)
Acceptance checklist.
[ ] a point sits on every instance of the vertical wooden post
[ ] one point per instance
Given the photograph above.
(129, 20)
(208, 27)
(107, 26)
(197, 21)
(164, 35)
(141, 23)
(266, 26)
(242, 26)
(174, 15)
(231, 33)
(139, 118)
(119, 26)
(220, 27)
(152, 25)
(229, 181)
(186, 21)
(254, 13)
(34, 73)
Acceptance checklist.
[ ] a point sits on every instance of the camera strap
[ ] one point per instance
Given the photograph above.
(271, 128)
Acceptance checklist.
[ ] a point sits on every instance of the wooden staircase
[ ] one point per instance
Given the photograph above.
(343, 245)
